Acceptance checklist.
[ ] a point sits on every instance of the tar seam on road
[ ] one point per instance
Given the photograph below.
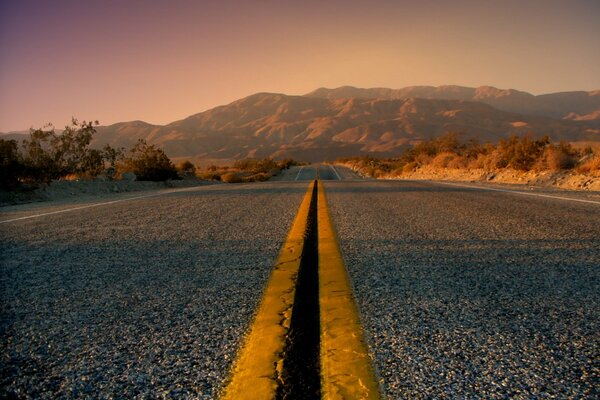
(300, 377)
(257, 371)
(306, 339)
(518, 192)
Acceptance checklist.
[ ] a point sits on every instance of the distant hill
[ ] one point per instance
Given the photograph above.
(331, 123)
(554, 105)
(313, 128)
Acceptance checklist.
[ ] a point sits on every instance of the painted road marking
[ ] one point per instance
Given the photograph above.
(298, 175)
(276, 361)
(518, 192)
(105, 203)
(346, 371)
(257, 371)
(336, 172)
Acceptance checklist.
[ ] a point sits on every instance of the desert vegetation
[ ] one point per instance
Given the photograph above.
(524, 153)
(246, 170)
(47, 155)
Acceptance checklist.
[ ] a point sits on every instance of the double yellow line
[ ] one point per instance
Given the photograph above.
(345, 367)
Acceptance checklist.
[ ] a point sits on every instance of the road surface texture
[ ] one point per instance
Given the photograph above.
(144, 298)
(467, 293)
(463, 293)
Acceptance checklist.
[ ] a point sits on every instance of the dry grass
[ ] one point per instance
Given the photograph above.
(590, 164)
(231, 177)
(514, 153)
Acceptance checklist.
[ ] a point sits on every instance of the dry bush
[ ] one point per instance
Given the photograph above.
(260, 177)
(209, 175)
(479, 162)
(442, 159)
(458, 162)
(449, 159)
(556, 158)
(231, 177)
(589, 164)
(423, 159)
(410, 167)
(186, 168)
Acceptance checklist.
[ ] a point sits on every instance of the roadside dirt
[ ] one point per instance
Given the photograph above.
(546, 179)
(554, 179)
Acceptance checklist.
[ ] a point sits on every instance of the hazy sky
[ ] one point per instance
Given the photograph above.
(159, 61)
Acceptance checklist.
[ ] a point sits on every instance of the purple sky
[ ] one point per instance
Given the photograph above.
(160, 61)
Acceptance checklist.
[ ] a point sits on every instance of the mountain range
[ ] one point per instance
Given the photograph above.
(330, 123)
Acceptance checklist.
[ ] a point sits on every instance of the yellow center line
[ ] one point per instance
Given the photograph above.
(258, 366)
(346, 371)
(345, 365)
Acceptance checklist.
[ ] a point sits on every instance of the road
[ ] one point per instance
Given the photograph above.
(469, 293)
(462, 292)
(147, 297)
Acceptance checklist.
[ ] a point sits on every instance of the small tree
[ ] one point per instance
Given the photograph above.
(48, 155)
(148, 163)
(11, 164)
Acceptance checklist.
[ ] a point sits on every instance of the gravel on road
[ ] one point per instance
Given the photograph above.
(148, 298)
(473, 294)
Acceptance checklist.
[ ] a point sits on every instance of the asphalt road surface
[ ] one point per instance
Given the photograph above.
(148, 297)
(462, 292)
(466, 293)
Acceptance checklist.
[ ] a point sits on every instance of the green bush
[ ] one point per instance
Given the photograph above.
(47, 155)
(148, 163)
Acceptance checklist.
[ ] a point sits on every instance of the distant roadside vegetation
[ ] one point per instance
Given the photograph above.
(246, 170)
(47, 155)
(448, 151)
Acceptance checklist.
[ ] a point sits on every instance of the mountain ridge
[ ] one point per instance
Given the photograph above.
(555, 105)
(327, 125)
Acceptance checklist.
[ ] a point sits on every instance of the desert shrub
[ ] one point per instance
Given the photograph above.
(410, 167)
(148, 163)
(443, 159)
(458, 162)
(520, 153)
(209, 175)
(186, 169)
(260, 177)
(186, 166)
(255, 166)
(478, 162)
(11, 165)
(557, 157)
(286, 163)
(47, 155)
(231, 177)
(590, 163)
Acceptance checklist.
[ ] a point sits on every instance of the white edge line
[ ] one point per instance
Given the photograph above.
(518, 192)
(336, 173)
(97, 204)
(298, 175)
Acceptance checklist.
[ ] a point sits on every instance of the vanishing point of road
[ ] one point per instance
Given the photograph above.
(461, 291)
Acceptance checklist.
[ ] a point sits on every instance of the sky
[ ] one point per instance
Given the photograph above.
(161, 61)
